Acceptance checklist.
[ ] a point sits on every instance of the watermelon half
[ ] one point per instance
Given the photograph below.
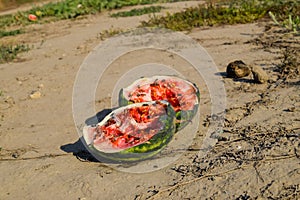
(181, 94)
(133, 132)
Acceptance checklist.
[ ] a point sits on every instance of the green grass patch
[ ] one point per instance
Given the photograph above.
(138, 11)
(4, 33)
(233, 12)
(9, 52)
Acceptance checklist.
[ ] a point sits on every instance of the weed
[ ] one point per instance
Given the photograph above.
(10, 52)
(291, 24)
(109, 33)
(290, 63)
(273, 17)
(138, 11)
(206, 15)
(232, 12)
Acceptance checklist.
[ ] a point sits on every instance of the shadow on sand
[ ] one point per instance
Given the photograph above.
(79, 151)
(79, 148)
(242, 80)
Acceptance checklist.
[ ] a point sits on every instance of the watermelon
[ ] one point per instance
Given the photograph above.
(132, 132)
(181, 94)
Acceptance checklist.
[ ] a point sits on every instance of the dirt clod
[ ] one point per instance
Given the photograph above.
(259, 75)
(237, 69)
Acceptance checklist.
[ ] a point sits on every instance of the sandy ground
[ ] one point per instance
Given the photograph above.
(256, 156)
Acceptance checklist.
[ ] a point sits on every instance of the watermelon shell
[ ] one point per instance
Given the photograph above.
(161, 130)
(183, 96)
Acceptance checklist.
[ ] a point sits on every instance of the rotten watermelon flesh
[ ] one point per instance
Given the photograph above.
(132, 132)
(181, 94)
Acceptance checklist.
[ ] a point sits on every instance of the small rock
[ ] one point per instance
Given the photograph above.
(80, 47)
(259, 75)
(15, 155)
(273, 79)
(35, 95)
(41, 86)
(237, 69)
(291, 109)
(62, 56)
(10, 100)
(22, 78)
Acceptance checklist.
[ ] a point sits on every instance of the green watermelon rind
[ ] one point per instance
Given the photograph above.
(183, 117)
(149, 148)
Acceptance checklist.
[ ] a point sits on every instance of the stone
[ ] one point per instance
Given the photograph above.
(35, 95)
(41, 86)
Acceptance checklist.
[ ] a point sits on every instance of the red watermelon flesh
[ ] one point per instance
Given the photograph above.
(126, 127)
(181, 94)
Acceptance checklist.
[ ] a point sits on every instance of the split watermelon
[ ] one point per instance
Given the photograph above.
(181, 94)
(132, 132)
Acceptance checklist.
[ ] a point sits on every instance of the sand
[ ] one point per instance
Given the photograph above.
(255, 157)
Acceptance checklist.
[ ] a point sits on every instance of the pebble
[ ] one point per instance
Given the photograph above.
(259, 75)
(291, 109)
(10, 100)
(41, 86)
(80, 47)
(22, 78)
(15, 155)
(63, 56)
(35, 95)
